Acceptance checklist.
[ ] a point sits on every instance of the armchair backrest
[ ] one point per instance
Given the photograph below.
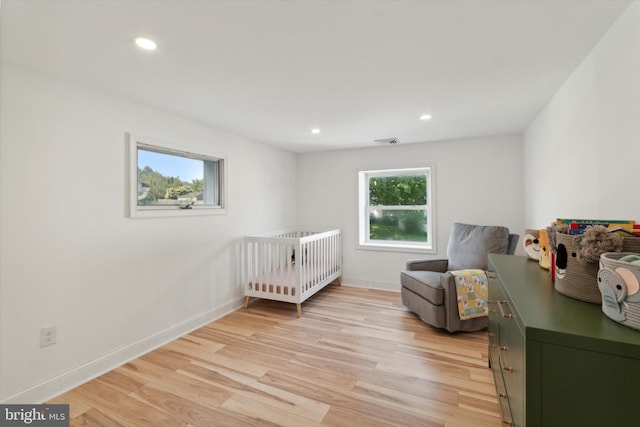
(513, 243)
(469, 245)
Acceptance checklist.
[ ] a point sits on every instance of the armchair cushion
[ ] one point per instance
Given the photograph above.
(427, 284)
(469, 245)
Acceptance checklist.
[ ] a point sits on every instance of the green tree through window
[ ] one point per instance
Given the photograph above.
(166, 181)
(398, 190)
(396, 208)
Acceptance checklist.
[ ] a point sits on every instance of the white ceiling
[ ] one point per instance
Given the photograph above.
(358, 70)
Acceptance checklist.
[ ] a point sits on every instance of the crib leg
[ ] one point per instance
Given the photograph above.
(299, 307)
(246, 302)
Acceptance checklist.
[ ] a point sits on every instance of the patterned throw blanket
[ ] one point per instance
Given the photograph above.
(473, 291)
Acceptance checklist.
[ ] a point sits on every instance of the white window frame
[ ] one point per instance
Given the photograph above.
(364, 209)
(138, 142)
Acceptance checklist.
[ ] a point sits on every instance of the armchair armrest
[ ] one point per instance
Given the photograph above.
(438, 265)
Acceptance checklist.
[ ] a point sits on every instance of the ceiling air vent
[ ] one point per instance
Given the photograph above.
(387, 141)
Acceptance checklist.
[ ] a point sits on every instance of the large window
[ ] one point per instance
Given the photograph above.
(395, 209)
(174, 182)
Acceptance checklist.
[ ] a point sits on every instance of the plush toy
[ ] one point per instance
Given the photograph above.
(595, 241)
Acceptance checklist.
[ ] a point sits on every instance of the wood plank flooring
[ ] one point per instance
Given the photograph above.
(357, 357)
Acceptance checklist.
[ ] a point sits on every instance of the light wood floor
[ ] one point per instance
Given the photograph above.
(355, 358)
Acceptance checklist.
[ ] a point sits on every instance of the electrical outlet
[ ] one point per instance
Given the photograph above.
(48, 336)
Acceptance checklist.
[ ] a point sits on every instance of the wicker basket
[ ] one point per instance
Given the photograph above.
(572, 278)
(631, 244)
(581, 281)
(619, 284)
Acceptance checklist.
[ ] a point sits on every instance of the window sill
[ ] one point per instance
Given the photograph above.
(175, 212)
(398, 247)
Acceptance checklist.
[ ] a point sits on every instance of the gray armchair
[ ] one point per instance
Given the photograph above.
(429, 290)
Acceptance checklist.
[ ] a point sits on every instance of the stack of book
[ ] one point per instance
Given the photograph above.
(624, 227)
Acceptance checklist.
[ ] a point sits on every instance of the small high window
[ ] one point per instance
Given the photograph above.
(395, 208)
(168, 181)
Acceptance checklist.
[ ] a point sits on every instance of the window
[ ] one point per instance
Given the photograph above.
(396, 209)
(165, 181)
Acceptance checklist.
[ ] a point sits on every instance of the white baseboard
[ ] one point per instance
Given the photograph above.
(371, 284)
(64, 382)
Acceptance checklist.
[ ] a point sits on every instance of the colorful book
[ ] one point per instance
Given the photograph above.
(594, 221)
(578, 226)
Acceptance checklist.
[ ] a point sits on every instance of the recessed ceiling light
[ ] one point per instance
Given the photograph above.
(425, 117)
(315, 131)
(146, 43)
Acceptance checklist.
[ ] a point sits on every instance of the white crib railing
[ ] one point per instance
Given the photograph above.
(291, 266)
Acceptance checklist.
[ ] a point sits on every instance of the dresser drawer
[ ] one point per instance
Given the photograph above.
(511, 346)
(501, 390)
(506, 355)
(495, 294)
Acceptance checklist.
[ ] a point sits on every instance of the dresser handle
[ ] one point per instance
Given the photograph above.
(502, 395)
(505, 315)
(507, 422)
(504, 368)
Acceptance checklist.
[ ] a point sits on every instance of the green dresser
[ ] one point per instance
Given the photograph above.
(557, 361)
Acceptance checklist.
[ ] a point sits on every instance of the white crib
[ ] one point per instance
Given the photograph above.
(291, 266)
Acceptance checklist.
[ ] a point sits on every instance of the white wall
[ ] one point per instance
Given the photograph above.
(582, 151)
(478, 181)
(70, 256)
